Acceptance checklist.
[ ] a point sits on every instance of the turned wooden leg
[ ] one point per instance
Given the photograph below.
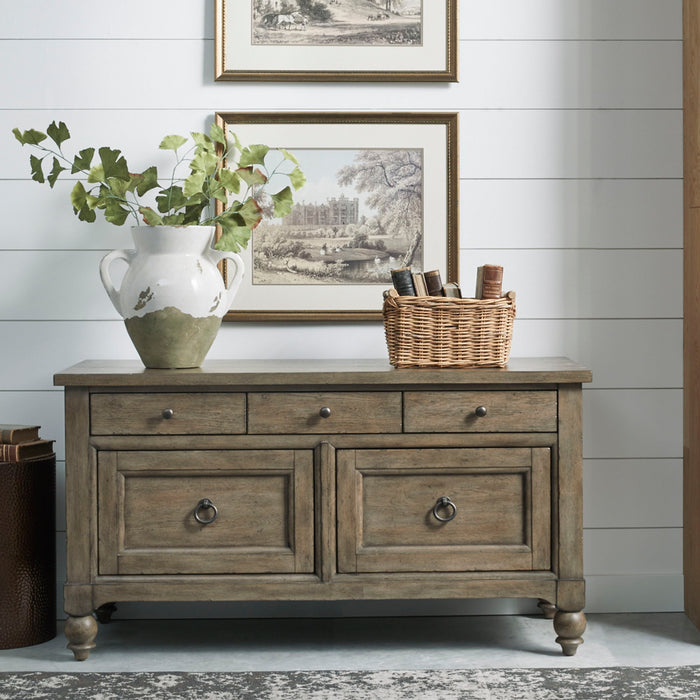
(569, 626)
(548, 610)
(104, 613)
(80, 633)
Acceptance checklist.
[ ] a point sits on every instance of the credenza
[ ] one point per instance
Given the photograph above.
(323, 480)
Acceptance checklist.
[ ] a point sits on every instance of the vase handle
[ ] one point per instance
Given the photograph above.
(235, 278)
(127, 256)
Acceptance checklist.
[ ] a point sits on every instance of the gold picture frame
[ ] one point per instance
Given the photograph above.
(394, 40)
(330, 258)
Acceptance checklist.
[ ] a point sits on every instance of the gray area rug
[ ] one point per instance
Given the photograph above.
(488, 684)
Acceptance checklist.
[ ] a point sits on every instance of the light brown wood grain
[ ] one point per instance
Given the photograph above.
(570, 484)
(691, 308)
(388, 521)
(80, 490)
(263, 498)
(325, 510)
(308, 587)
(244, 374)
(541, 485)
(189, 414)
(324, 412)
(456, 411)
(313, 508)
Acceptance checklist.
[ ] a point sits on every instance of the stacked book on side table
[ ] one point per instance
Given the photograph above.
(21, 442)
(27, 537)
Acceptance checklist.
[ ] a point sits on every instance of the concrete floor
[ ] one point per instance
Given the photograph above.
(394, 643)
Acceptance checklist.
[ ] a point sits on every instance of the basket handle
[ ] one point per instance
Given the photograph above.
(390, 297)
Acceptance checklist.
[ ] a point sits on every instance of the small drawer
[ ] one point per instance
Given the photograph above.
(205, 512)
(444, 509)
(167, 414)
(332, 412)
(480, 411)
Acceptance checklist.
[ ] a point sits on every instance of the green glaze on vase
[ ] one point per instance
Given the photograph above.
(170, 339)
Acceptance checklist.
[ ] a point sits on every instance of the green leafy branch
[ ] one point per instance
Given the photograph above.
(228, 173)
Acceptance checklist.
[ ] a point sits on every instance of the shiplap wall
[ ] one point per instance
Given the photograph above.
(570, 172)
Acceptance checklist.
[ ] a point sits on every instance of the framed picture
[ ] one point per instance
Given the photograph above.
(356, 40)
(380, 193)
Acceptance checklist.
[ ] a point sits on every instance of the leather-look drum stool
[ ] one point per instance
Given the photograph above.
(27, 552)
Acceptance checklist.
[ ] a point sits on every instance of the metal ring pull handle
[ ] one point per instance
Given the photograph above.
(205, 504)
(444, 502)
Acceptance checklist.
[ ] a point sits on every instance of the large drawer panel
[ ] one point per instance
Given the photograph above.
(480, 411)
(497, 518)
(324, 412)
(167, 414)
(149, 502)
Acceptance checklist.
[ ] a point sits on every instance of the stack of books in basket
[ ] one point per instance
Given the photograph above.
(428, 324)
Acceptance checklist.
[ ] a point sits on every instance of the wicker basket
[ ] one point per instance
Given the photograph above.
(448, 332)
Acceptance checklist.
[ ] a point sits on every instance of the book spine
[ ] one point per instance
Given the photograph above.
(25, 450)
(489, 282)
(451, 289)
(493, 281)
(14, 434)
(403, 281)
(479, 282)
(419, 284)
(433, 281)
(9, 453)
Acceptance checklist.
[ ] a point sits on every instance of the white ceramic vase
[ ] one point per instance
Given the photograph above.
(172, 296)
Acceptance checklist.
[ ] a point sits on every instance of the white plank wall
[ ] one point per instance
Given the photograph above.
(570, 177)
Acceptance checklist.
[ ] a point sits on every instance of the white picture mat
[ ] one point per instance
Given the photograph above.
(431, 138)
(239, 54)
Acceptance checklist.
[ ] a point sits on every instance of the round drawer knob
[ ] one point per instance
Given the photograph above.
(205, 504)
(168, 413)
(444, 503)
(325, 412)
(480, 411)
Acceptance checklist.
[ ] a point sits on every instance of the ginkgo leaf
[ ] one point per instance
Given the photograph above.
(58, 133)
(230, 180)
(283, 202)
(253, 155)
(30, 137)
(147, 180)
(37, 172)
(115, 213)
(289, 156)
(172, 142)
(114, 164)
(150, 217)
(203, 142)
(217, 134)
(251, 177)
(233, 238)
(56, 170)
(204, 162)
(297, 178)
(82, 161)
(194, 183)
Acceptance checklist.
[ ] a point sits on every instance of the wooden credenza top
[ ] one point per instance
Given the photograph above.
(252, 373)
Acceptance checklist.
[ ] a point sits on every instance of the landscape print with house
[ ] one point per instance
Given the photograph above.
(359, 215)
(338, 22)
